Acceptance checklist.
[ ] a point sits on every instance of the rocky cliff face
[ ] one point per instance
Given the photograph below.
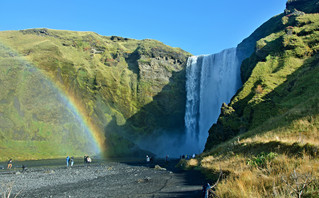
(125, 88)
(309, 6)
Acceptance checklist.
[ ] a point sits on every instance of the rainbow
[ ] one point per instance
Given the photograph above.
(73, 105)
(79, 111)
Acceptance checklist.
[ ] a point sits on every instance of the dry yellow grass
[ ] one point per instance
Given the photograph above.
(192, 163)
(292, 170)
(279, 177)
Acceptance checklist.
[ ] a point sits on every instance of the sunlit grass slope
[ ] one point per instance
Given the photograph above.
(119, 85)
(266, 140)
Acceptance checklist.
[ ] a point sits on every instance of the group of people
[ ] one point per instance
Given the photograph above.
(150, 159)
(69, 161)
(10, 162)
(188, 156)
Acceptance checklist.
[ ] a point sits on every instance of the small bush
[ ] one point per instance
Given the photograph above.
(192, 163)
(298, 184)
(261, 160)
(284, 20)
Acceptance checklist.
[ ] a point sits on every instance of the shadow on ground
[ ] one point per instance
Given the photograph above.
(189, 178)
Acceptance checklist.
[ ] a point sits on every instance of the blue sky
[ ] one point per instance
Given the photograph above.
(199, 27)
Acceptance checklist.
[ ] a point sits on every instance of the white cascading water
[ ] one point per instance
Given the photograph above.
(211, 80)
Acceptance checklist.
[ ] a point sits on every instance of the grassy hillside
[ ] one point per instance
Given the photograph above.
(34, 120)
(111, 80)
(266, 140)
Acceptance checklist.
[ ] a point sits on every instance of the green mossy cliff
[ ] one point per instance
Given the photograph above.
(280, 78)
(126, 88)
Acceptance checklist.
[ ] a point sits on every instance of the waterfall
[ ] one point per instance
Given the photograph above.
(210, 81)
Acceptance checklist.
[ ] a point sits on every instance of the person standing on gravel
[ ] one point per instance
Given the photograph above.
(88, 159)
(67, 161)
(148, 159)
(72, 161)
(9, 164)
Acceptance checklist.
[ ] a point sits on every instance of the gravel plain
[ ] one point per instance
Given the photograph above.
(100, 179)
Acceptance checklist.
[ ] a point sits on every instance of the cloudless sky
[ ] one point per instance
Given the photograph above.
(197, 26)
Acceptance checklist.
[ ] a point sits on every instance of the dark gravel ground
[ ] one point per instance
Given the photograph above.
(101, 179)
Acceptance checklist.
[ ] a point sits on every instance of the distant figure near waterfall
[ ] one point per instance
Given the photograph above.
(148, 159)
